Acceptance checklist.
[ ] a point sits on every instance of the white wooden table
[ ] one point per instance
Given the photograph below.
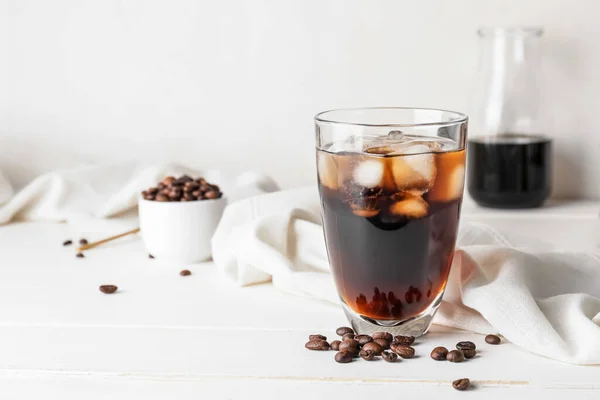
(163, 336)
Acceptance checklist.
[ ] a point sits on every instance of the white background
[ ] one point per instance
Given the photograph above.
(235, 84)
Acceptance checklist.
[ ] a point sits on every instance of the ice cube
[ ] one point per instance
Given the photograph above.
(415, 168)
(395, 136)
(368, 173)
(450, 187)
(411, 207)
(327, 170)
(449, 182)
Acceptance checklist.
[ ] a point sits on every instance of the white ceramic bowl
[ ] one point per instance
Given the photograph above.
(180, 231)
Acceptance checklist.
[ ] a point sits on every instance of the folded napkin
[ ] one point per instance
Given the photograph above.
(546, 301)
(106, 191)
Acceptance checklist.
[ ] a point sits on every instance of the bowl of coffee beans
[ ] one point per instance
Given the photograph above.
(179, 216)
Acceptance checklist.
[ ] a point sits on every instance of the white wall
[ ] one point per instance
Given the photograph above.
(235, 84)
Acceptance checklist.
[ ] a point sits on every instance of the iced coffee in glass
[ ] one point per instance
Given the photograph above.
(391, 184)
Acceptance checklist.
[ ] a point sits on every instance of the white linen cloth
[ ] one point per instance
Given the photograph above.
(106, 191)
(545, 301)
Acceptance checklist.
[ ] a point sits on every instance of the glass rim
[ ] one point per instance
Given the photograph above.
(510, 31)
(459, 118)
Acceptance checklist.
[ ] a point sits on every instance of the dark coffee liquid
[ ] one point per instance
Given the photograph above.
(509, 171)
(391, 250)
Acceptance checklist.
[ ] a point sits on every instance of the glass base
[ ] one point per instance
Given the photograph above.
(415, 326)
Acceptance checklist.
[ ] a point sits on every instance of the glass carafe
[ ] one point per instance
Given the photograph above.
(509, 156)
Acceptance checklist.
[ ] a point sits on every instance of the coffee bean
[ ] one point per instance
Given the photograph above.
(197, 194)
(343, 357)
(439, 353)
(161, 197)
(455, 356)
(493, 339)
(342, 330)
(354, 351)
(465, 346)
(404, 351)
(67, 242)
(150, 256)
(461, 384)
(152, 191)
(317, 345)
(389, 357)
(181, 181)
(469, 353)
(108, 289)
(185, 272)
(161, 186)
(383, 335)
(376, 348)
(212, 194)
(367, 355)
(168, 180)
(317, 336)
(348, 336)
(363, 339)
(407, 340)
(83, 242)
(349, 344)
(335, 345)
(383, 343)
(79, 255)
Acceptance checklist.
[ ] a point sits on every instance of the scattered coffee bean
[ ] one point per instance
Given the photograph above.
(455, 356)
(150, 256)
(367, 355)
(407, 340)
(363, 339)
(383, 335)
(348, 344)
(335, 345)
(465, 346)
(79, 255)
(348, 336)
(183, 188)
(384, 343)
(83, 242)
(343, 357)
(461, 384)
(404, 351)
(108, 289)
(469, 353)
(493, 339)
(317, 345)
(341, 331)
(317, 336)
(185, 272)
(376, 348)
(67, 242)
(389, 356)
(439, 353)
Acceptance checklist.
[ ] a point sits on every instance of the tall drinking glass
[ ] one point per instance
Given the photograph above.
(391, 184)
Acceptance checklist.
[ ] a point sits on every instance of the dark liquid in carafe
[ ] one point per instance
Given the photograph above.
(509, 170)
